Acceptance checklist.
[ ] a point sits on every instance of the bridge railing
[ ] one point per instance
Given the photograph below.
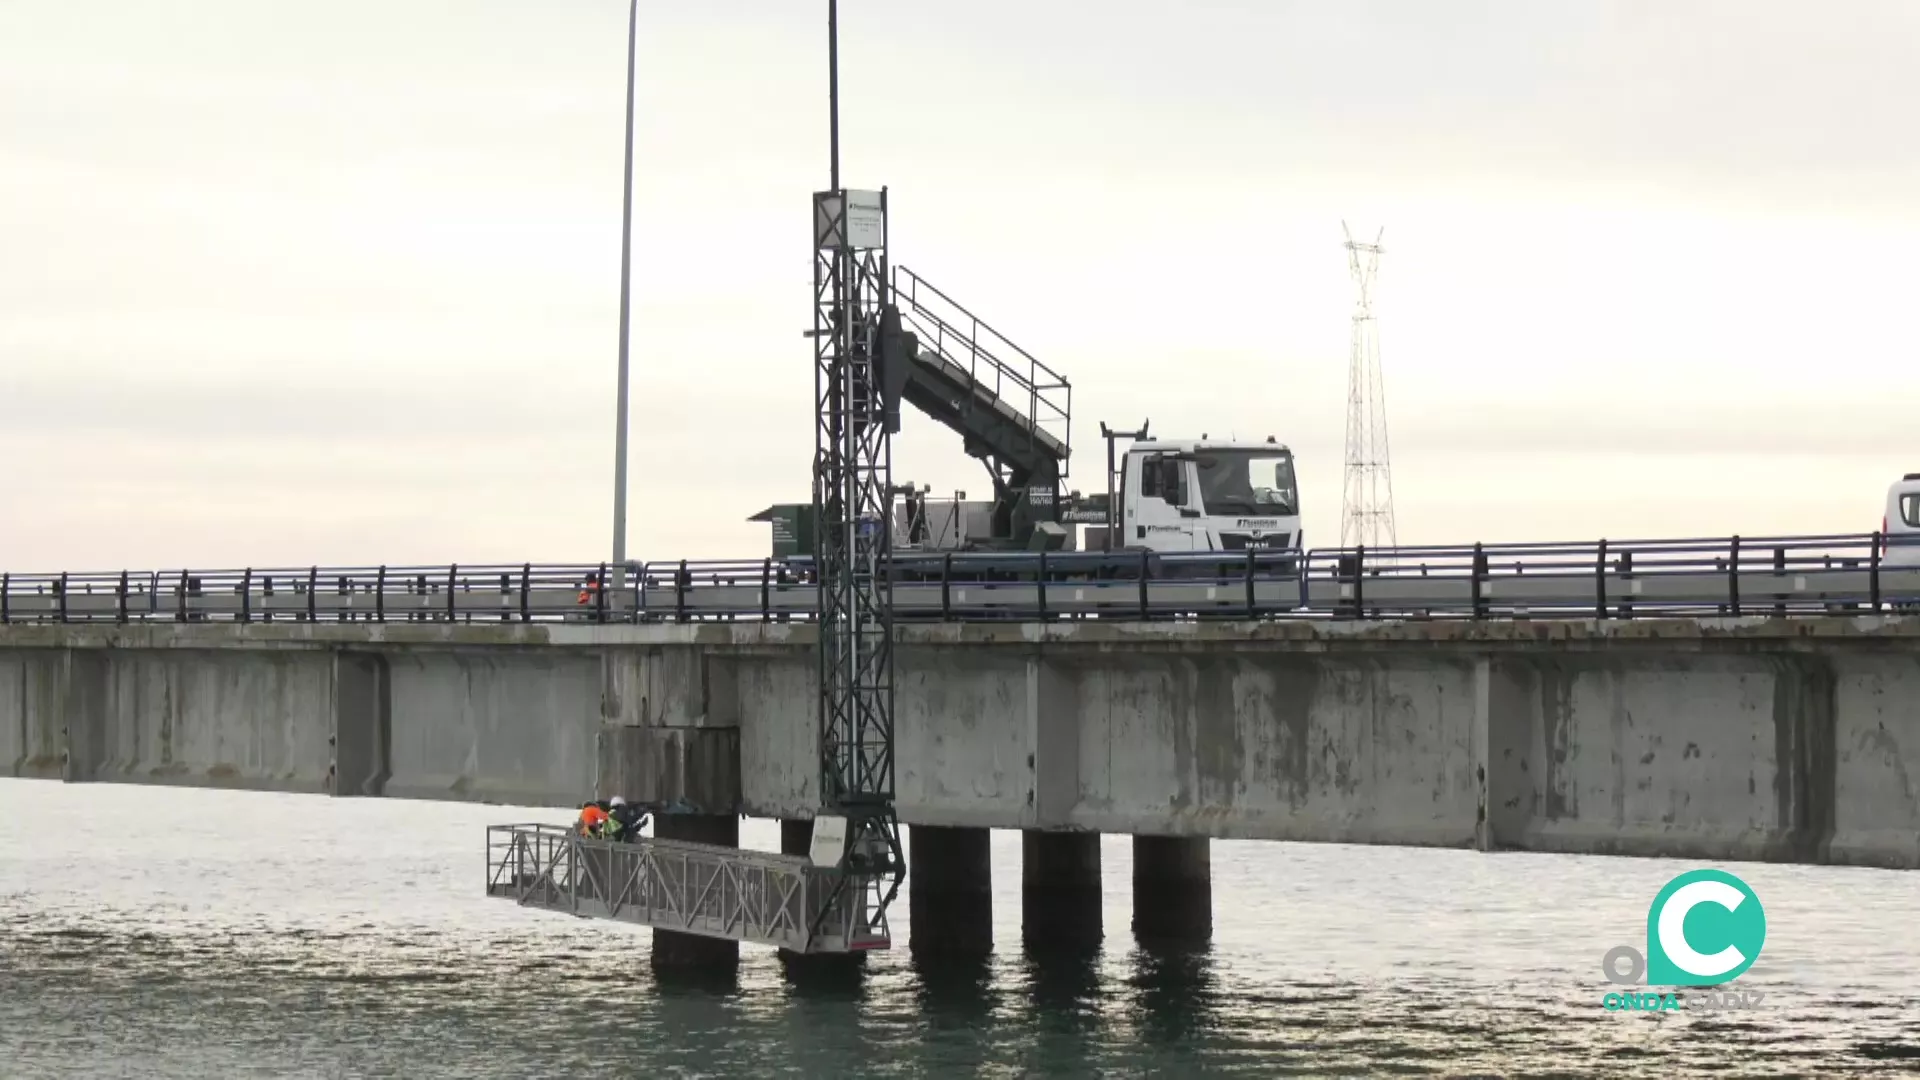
(464, 593)
(1729, 576)
(1594, 579)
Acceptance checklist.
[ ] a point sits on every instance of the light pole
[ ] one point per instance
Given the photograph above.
(626, 293)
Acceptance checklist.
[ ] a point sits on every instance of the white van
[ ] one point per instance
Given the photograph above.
(1902, 523)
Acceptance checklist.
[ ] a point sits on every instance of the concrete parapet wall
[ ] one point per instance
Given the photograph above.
(1754, 738)
(697, 768)
(33, 739)
(1365, 749)
(1876, 761)
(204, 718)
(779, 748)
(486, 714)
(1741, 739)
(493, 726)
(1709, 756)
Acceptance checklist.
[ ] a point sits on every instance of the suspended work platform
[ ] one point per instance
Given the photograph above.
(787, 901)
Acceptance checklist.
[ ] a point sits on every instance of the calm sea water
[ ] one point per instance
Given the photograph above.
(148, 932)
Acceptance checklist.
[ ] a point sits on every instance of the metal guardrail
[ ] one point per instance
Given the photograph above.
(1604, 579)
(720, 892)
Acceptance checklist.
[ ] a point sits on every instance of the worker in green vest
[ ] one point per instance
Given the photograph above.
(624, 820)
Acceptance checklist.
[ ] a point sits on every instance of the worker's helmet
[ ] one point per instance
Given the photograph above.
(616, 801)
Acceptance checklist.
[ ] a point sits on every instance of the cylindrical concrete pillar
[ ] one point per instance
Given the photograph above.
(950, 889)
(812, 969)
(1172, 888)
(1060, 887)
(677, 951)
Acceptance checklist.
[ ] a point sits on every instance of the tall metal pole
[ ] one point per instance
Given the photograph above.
(626, 300)
(833, 90)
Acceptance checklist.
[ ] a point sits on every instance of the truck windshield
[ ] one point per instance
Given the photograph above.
(1247, 482)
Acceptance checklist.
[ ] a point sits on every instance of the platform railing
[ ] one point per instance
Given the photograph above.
(1604, 579)
(991, 360)
(703, 889)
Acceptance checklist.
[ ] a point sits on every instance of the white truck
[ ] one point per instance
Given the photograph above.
(1203, 494)
(1174, 495)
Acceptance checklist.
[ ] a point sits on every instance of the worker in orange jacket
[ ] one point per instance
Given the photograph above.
(592, 821)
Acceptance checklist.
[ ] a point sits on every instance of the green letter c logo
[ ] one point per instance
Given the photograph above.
(1704, 928)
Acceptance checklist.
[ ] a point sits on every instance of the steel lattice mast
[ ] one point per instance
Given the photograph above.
(1366, 512)
(854, 330)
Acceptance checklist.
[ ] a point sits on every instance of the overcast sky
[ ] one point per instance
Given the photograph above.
(291, 283)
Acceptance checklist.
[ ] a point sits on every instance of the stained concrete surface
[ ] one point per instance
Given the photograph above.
(1752, 738)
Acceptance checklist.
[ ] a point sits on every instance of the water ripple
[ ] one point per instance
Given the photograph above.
(217, 934)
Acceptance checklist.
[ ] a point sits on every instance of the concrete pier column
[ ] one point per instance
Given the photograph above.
(1805, 731)
(86, 734)
(666, 759)
(362, 725)
(1060, 887)
(36, 680)
(831, 972)
(796, 835)
(950, 889)
(676, 951)
(1172, 888)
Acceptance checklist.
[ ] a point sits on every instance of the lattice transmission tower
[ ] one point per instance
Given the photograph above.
(1366, 511)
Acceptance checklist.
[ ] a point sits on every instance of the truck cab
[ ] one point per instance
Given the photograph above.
(1180, 495)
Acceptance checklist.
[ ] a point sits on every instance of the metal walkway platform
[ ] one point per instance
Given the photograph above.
(785, 901)
(972, 378)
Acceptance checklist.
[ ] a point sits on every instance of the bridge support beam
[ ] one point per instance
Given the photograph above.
(1172, 889)
(1060, 887)
(950, 890)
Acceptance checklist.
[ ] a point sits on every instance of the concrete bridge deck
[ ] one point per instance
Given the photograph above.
(1725, 739)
